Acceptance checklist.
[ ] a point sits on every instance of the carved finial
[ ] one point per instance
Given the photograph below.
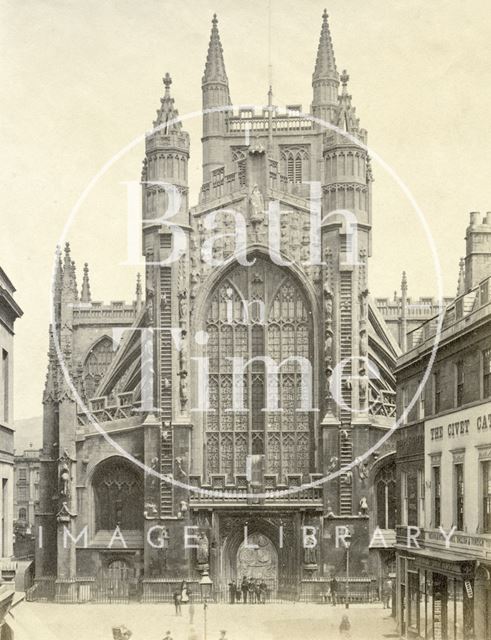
(85, 294)
(404, 282)
(325, 16)
(167, 80)
(215, 20)
(139, 295)
(344, 78)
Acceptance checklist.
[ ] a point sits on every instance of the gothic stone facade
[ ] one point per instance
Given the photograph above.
(320, 312)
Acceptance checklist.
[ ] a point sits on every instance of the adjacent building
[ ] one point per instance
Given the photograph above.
(26, 498)
(9, 313)
(443, 461)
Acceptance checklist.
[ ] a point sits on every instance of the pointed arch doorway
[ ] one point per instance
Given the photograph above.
(257, 559)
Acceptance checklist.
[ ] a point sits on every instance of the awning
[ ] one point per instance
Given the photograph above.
(440, 561)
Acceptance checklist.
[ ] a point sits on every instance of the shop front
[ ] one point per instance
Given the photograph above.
(435, 596)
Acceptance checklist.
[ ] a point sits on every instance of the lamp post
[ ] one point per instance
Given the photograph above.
(206, 586)
(347, 544)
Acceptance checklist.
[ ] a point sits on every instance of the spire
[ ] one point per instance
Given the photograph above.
(85, 293)
(461, 282)
(215, 65)
(138, 292)
(167, 114)
(325, 64)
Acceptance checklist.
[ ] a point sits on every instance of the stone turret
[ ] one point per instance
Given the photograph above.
(325, 79)
(216, 94)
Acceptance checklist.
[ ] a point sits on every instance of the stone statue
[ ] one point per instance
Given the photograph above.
(257, 205)
(310, 555)
(64, 480)
(203, 550)
(183, 307)
(183, 388)
(363, 506)
(328, 303)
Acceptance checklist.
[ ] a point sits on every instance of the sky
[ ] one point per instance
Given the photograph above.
(81, 79)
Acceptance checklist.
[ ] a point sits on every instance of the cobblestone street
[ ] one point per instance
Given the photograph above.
(40, 621)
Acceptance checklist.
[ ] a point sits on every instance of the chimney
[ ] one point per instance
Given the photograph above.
(478, 250)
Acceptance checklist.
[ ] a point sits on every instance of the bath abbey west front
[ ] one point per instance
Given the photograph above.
(112, 530)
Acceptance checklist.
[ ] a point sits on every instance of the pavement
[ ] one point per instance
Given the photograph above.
(46, 621)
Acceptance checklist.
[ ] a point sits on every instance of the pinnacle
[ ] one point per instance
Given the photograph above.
(167, 114)
(215, 65)
(325, 65)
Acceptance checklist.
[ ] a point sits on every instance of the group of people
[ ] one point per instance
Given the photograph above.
(249, 590)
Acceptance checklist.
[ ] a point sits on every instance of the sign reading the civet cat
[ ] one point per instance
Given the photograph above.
(475, 419)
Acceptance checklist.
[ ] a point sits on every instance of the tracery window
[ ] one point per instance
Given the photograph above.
(295, 163)
(385, 486)
(256, 312)
(118, 495)
(96, 364)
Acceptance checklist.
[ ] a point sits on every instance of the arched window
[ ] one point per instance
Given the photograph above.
(385, 489)
(118, 495)
(22, 514)
(256, 312)
(295, 164)
(96, 364)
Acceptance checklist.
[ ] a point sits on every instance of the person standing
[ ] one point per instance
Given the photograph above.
(177, 602)
(244, 587)
(334, 591)
(231, 591)
(184, 592)
(387, 593)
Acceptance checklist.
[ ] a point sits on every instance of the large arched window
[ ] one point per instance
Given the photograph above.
(258, 311)
(118, 495)
(385, 487)
(96, 364)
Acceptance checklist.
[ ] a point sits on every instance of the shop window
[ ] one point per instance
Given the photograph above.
(459, 496)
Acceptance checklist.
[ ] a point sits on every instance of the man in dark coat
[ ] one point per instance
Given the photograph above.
(244, 587)
(231, 591)
(334, 591)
